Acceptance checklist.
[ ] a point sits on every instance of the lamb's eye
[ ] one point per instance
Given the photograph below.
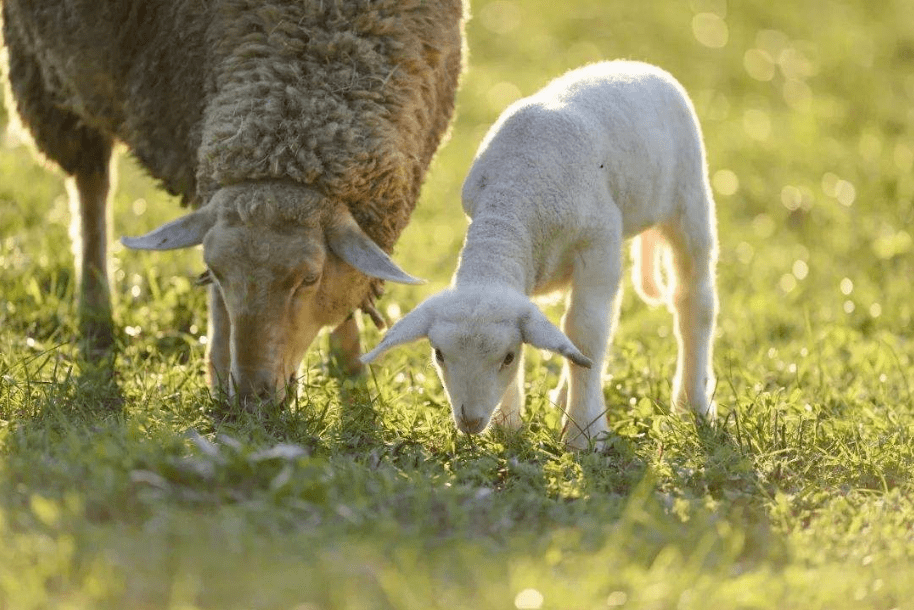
(509, 358)
(439, 356)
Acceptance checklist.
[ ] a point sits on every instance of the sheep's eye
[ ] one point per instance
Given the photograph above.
(439, 356)
(509, 358)
(209, 276)
(308, 280)
(205, 279)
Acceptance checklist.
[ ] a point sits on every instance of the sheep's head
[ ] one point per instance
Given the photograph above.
(476, 337)
(285, 264)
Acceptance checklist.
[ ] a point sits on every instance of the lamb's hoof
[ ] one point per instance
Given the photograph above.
(592, 439)
(583, 442)
(705, 411)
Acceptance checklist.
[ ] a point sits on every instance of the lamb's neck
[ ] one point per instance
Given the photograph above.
(497, 252)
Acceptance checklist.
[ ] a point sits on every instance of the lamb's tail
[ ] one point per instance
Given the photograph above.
(648, 250)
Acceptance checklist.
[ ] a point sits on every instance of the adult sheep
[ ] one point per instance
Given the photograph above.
(300, 130)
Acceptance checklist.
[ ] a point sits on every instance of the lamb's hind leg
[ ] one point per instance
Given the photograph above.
(592, 311)
(694, 307)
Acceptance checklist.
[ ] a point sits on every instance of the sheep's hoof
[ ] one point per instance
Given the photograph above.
(97, 337)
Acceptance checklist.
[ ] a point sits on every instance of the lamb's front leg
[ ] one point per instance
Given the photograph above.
(592, 311)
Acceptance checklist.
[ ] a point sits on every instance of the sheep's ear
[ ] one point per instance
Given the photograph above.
(539, 332)
(411, 327)
(347, 240)
(184, 232)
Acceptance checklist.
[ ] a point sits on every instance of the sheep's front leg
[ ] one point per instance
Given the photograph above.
(345, 348)
(218, 347)
(508, 415)
(592, 310)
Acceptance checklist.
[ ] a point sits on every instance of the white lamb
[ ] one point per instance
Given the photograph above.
(606, 152)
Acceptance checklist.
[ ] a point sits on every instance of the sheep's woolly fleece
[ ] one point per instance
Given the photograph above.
(340, 96)
(349, 98)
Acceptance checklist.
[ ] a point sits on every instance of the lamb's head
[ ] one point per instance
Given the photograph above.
(285, 262)
(476, 337)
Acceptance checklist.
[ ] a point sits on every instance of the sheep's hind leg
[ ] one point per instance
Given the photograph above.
(85, 155)
(592, 310)
(88, 193)
(694, 307)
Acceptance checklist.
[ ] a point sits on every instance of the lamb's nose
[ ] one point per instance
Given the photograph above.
(470, 425)
(473, 426)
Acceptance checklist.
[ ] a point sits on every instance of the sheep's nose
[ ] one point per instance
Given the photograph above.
(260, 388)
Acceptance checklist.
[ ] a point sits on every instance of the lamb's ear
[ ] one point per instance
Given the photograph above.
(539, 332)
(411, 327)
(347, 240)
(184, 232)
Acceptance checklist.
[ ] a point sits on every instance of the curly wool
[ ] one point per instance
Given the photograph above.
(348, 98)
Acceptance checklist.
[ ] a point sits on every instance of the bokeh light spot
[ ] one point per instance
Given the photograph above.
(502, 94)
(773, 42)
(757, 124)
(791, 197)
(787, 282)
(528, 599)
(847, 286)
(870, 146)
(763, 225)
(758, 64)
(500, 17)
(745, 252)
(725, 182)
(616, 599)
(797, 94)
(845, 193)
(710, 30)
(903, 157)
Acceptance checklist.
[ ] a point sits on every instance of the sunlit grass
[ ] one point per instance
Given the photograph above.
(137, 491)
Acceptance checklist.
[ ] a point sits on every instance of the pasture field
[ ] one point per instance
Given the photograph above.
(132, 489)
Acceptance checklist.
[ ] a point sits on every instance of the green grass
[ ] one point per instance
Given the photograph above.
(137, 492)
